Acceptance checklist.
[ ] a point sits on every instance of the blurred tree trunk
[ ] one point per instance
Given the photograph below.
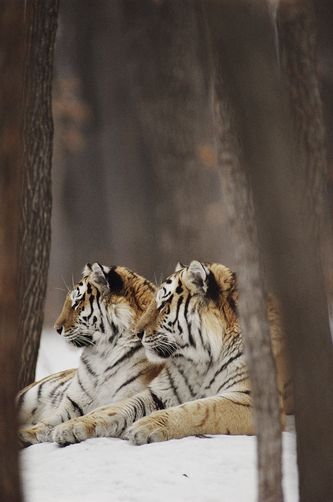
(236, 29)
(298, 56)
(103, 185)
(11, 65)
(308, 235)
(127, 173)
(79, 167)
(168, 65)
(280, 161)
(35, 224)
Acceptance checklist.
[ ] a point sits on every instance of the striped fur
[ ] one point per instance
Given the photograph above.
(98, 314)
(191, 327)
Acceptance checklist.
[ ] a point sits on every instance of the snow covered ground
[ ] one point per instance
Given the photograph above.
(219, 468)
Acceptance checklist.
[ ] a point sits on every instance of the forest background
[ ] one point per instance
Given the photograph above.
(178, 135)
(133, 188)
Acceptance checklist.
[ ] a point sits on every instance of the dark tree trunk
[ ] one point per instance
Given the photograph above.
(236, 29)
(35, 227)
(11, 67)
(308, 236)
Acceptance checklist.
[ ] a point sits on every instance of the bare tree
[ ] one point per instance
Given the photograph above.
(237, 31)
(35, 228)
(11, 64)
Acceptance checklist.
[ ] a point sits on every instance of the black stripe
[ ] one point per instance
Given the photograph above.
(172, 383)
(189, 325)
(190, 337)
(83, 388)
(141, 412)
(159, 405)
(89, 369)
(76, 407)
(222, 368)
(186, 305)
(166, 327)
(91, 301)
(180, 299)
(130, 380)
(102, 327)
(127, 355)
(53, 394)
(68, 417)
(39, 392)
(243, 376)
(202, 342)
(193, 394)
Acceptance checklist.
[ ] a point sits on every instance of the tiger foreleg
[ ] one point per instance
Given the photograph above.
(42, 431)
(227, 414)
(106, 421)
(39, 433)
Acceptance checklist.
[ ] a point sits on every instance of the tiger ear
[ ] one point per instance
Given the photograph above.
(179, 266)
(200, 279)
(107, 279)
(196, 277)
(87, 270)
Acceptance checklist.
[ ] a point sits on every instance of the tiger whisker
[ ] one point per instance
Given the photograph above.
(65, 283)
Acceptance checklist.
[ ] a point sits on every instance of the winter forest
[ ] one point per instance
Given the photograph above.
(140, 134)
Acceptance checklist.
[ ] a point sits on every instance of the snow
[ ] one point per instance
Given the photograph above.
(209, 469)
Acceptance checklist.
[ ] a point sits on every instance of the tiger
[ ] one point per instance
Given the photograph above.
(192, 327)
(99, 314)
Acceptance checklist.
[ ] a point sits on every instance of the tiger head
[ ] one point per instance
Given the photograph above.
(107, 301)
(190, 313)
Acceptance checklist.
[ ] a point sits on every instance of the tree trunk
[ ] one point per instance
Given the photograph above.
(297, 43)
(35, 227)
(307, 234)
(11, 66)
(168, 65)
(278, 155)
(236, 29)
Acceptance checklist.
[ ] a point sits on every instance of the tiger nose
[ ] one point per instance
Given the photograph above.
(58, 328)
(140, 334)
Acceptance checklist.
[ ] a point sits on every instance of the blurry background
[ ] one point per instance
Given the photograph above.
(134, 172)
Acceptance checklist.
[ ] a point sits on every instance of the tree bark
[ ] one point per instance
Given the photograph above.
(35, 228)
(238, 29)
(308, 237)
(11, 66)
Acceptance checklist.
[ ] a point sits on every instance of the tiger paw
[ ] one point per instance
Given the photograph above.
(72, 431)
(108, 424)
(151, 429)
(39, 433)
